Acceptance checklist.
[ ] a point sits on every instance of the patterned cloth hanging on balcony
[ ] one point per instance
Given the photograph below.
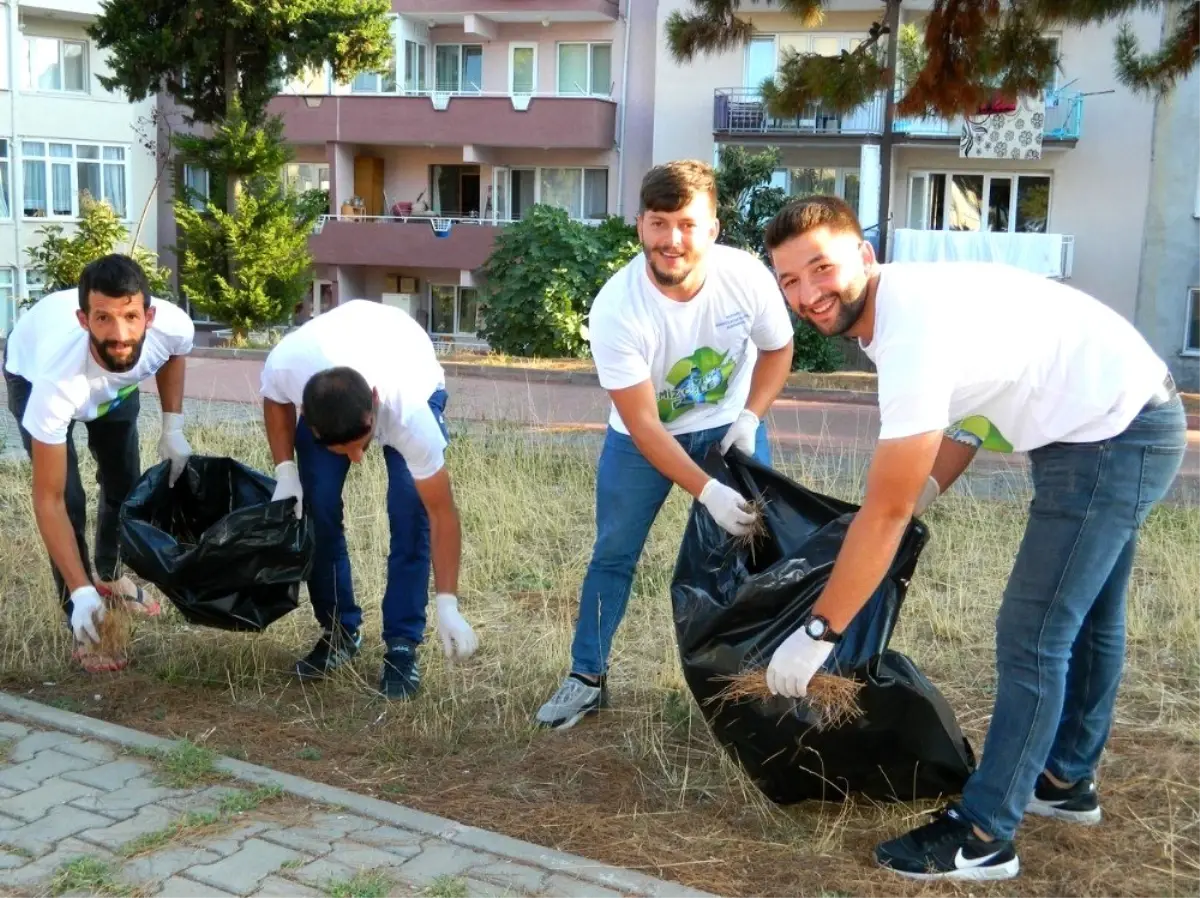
(1005, 130)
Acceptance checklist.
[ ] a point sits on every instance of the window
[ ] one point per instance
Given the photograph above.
(56, 174)
(960, 201)
(302, 176)
(5, 209)
(522, 68)
(195, 185)
(760, 61)
(458, 68)
(35, 285)
(1056, 43)
(53, 64)
(581, 192)
(8, 305)
(801, 182)
(1191, 334)
(585, 69)
(416, 66)
(455, 310)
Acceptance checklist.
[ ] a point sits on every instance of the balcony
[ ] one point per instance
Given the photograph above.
(392, 241)
(447, 11)
(451, 119)
(740, 112)
(1050, 255)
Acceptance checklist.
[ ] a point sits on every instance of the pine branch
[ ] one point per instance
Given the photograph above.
(1157, 73)
(714, 28)
(835, 83)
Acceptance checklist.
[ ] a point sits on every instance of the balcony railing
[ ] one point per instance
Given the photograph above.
(1050, 255)
(741, 111)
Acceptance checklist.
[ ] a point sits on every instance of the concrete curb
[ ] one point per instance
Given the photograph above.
(625, 881)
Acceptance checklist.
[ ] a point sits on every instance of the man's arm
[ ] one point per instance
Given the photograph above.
(953, 458)
(898, 472)
(638, 409)
(169, 379)
(771, 372)
(445, 530)
(279, 419)
(50, 511)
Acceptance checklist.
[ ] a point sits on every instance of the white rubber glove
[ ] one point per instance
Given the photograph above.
(287, 486)
(930, 492)
(728, 507)
(87, 610)
(794, 663)
(741, 433)
(173, 445)
(459, 641)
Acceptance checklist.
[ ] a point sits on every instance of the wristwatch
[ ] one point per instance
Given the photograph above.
(817, 627)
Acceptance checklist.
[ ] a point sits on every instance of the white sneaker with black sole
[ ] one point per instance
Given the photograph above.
(947, 848)
(1079, 803)
(575, 699)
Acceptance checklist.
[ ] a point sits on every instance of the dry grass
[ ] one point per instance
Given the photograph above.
(643, 785)
(833, 698)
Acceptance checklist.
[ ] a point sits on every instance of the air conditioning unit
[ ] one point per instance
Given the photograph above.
(406, 301)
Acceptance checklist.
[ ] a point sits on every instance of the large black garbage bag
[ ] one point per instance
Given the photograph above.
(733, 607)
(216, 545)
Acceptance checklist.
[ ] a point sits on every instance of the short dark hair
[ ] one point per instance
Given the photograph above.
(116, 275)
(801, 216)
(671, 186)
(337, 406)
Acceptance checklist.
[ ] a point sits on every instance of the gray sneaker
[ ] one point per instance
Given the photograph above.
(573, 701)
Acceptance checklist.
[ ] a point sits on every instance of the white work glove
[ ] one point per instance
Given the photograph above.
(173, 445)
(287, 485)
(794, 663)
(930, 492)
(458, 639)
(728, 507)
(742, 433)
(87, 610)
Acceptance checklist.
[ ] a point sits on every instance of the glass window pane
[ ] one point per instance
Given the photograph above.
(468, 308)
(5, 209)
(35, 189)
(850, 190)
(601, 70)
(87, 151)
(60, 179)
(74, 77)
(916, 202)
(1193, 334)
(572, 68)
(114, 154)
(562, 187)
(446, 68)
(3, 148)
(523, 75)
(999, 200)
(814, 181)
(937, 202)
(114, 188)
(966, 202)
(595, 193)
(422, 67)
(365, 83)
(88, 174)
(62, 150)
(33, 148)
(472, 68)
(442, 318)
(410, 65)
(1033, 204)
(42, 64)
(760, 61)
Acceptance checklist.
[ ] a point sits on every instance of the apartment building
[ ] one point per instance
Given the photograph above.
(489, 107)
(1075, 210)
(62, 134)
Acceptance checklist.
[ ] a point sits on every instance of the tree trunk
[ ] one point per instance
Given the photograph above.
(233, 184)
(892, 25)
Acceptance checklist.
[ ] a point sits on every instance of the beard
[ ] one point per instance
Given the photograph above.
(851, 303)
(669, 278)
(105, 348)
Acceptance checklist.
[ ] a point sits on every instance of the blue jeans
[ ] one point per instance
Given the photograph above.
(1060, 634)
(629, 493)
(322, 475)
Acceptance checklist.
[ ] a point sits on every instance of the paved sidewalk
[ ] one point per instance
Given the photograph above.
(90, 808)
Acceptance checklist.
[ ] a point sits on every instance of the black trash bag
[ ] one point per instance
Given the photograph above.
(216, 545)
(733, 606)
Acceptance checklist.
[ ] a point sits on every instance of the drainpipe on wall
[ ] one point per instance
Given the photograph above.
(14, 154)
(621, 124)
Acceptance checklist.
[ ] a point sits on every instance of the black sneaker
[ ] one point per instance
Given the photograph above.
(400, 678)
(947, 848)
(1079, 803)
(335, 648)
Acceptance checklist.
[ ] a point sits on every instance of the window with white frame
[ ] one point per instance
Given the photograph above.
(416, 67)
(969, 201)
(454, 310)
(802, 182)
(522, 68)
(35, 285)
(5, 208)
(581, 192)
(54, 64)
(196, 186)
(585, 69)
(302, 176)
(1191, 328)
(8, 305)
(57, 173)
(458, 68)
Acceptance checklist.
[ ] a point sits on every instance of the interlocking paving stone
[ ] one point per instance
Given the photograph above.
(41, 767)
(274, 887)
(243, 870)
(115, 775)
(165, 863)
(148, 820)
(36, 802)
(29, 745)
(40, 836)
(181, 887)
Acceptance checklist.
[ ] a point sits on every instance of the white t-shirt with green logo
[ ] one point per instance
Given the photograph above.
(699, 354)
(1010, 360)
(50, 349)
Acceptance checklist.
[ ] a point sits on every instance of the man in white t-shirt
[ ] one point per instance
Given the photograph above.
(693, 342)
(79, 355)
(976, 355)
(359, 373)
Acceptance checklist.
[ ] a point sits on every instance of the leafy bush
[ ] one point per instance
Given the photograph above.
(542, 275)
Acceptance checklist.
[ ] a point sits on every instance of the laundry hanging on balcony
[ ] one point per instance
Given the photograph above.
(1005, 130)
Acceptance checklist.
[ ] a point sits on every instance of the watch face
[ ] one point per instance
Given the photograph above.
(816, 628)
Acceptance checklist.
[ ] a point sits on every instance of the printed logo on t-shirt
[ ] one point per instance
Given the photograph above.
(978, 431)
(700, 378)
(733, 320)
(122, 394)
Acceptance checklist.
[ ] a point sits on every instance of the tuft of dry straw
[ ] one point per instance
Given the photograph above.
(115, 630)
(757, 531)
(834, 698)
